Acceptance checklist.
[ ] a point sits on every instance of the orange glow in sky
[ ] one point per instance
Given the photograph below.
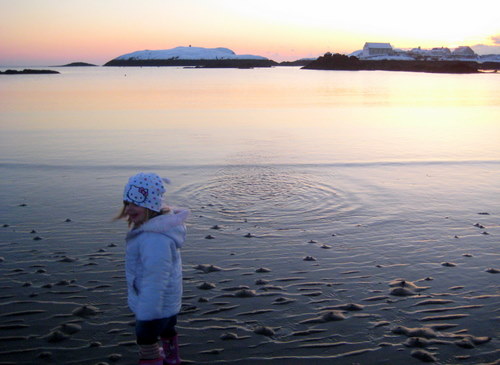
(51, 32)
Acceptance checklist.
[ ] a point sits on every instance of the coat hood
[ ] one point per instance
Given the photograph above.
(170, 224)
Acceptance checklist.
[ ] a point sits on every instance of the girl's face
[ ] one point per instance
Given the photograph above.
(136, 215)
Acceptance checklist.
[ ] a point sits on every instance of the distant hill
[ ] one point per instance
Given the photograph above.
(192, 57)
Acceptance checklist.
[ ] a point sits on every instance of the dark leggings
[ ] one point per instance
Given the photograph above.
(148, 332)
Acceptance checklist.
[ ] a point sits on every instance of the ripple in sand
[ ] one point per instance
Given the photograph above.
(434, 301)
(262, 270)
(448, 264)
(401, 287)
(70, 328)
(283, 300)
(265, 331)
(376, 298)
(56, 336)
(206, 286)
(328, 316)
(221, 309)
(229, 336)
(85, 311)
(23, 313)
(444, 317)
(414, 332)
(423, 355)
(206, 268)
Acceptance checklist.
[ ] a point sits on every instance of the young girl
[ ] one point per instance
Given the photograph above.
(153, 267)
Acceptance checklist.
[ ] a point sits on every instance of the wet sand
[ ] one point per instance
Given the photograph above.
(359, 295)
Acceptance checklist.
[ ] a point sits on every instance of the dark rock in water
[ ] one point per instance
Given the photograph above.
(37, 238)
(249, 235)
(492, 270)
(209, 237)
(67, 220)
(27, 71)
(423, 355)
(78, 64)
(478, 225)
(309, 258)
(216, 227)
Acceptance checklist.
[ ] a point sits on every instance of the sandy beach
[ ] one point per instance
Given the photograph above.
(372, 292)
(336, 217)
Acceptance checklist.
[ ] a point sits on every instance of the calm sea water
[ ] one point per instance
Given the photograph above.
(293, 149)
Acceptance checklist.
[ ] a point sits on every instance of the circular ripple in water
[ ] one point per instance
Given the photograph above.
(273, 195)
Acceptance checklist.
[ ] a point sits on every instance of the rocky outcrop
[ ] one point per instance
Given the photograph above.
(342, 62)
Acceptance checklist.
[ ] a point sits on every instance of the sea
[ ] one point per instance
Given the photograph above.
(361, 169)
(284, 146)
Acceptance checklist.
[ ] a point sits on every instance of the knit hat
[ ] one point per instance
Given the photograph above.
(145, 190)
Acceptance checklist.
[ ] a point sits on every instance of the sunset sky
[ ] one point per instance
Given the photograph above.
(51, 32)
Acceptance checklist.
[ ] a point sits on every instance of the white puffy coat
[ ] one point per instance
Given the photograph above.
(153, 266)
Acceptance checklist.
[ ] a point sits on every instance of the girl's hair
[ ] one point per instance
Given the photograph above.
(149, 213)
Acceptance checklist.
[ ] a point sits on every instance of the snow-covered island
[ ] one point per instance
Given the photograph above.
(191, 56)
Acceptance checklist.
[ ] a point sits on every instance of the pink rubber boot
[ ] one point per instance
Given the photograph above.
(171, 350)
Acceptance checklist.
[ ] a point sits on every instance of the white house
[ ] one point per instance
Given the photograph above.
(371, 49)
(464, 51)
